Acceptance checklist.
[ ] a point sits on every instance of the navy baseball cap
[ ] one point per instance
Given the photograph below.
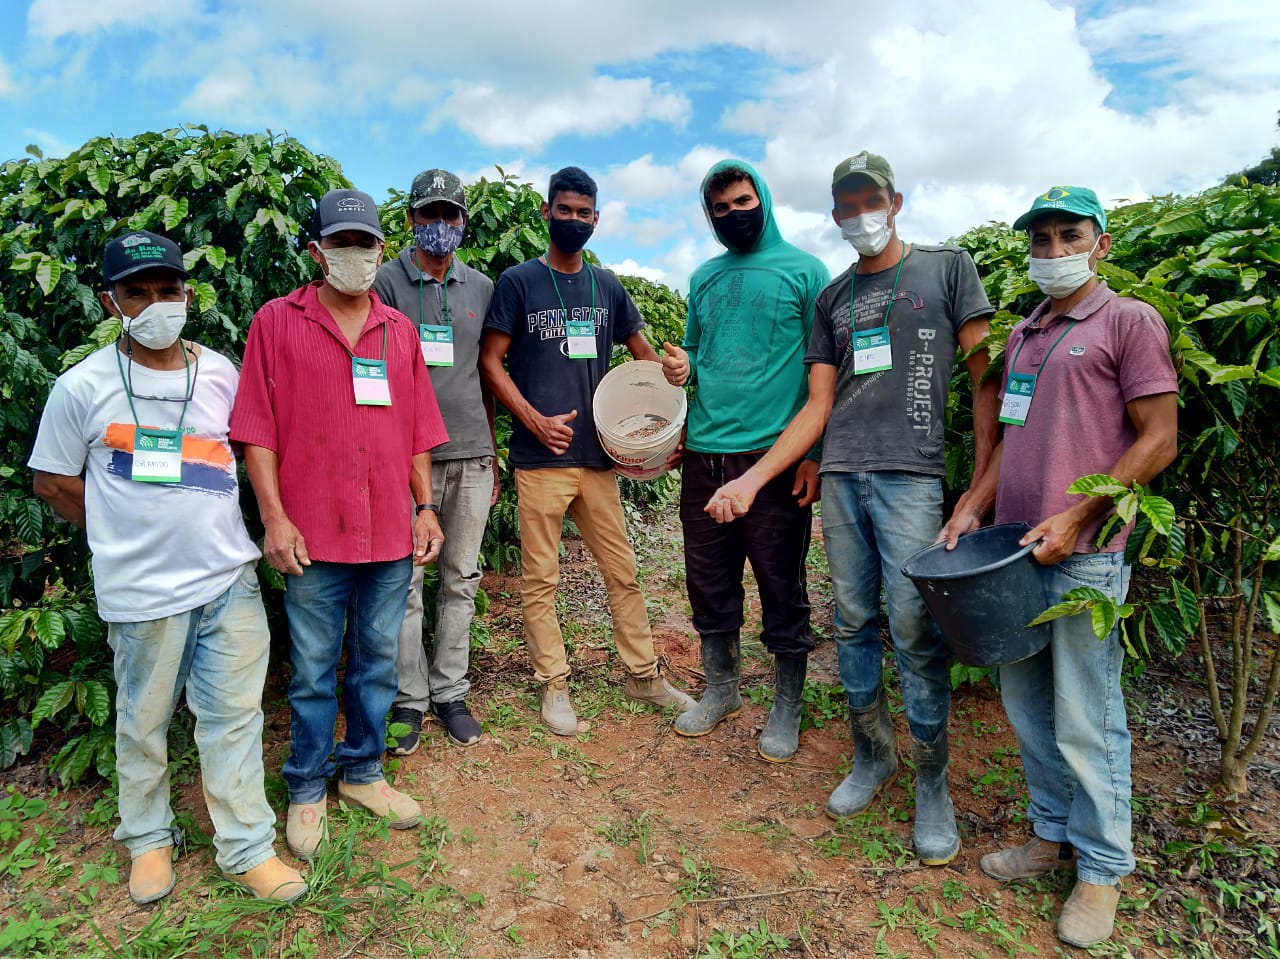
(138, 251)
(346, 209)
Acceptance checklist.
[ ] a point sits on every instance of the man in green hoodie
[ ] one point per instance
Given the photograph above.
(750, 311)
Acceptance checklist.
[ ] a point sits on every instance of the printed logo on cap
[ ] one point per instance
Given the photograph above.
(134, 240)
(1057, 193)
(350, 204)
(438, 182)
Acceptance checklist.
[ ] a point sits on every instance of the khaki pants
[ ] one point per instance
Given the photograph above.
(591, 497)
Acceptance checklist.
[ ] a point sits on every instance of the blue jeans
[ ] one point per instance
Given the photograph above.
(218, 651)
(871, 523)
(1067, 709)
(462, 490)
(317, 604)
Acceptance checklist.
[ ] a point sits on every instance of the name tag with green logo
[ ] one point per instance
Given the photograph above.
(369, 381)
(1017, 398)
(872, 351)
(157, 456)
(437, 344)
(582, 339)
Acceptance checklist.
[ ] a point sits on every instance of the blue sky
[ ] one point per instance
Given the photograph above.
(977, 106)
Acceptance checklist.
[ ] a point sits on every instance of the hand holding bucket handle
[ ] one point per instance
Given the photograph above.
(1057, 536)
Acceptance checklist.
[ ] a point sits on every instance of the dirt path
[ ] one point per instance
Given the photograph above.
(631, 841)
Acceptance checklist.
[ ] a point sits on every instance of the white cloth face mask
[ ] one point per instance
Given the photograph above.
(1059, 277)
(158, 326)
(869, 233)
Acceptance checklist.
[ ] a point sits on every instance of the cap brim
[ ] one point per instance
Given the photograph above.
(875, 178)
(333, 228)
(1024, 221)
(418, 204)
(140, 267)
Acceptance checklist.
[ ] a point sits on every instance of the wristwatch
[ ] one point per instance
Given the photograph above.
(425, 506)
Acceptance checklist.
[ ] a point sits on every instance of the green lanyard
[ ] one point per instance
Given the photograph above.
(853, 283)
(422, 317)
(186, 366)
(556, 286)
(1045, 362)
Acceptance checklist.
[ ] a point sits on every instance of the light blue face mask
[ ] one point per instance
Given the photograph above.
(438, 238)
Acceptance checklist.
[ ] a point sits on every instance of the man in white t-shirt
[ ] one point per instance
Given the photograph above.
(133, 447)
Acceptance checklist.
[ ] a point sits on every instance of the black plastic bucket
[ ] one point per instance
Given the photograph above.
(983, 593)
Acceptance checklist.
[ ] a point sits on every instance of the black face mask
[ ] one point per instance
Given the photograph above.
(569, 236)
(741, 228)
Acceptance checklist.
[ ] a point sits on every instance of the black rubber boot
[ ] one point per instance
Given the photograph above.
(781, 736)
(722, 664)
(875, 759)
(936, 838)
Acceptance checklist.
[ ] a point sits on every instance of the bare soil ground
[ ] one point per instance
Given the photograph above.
(631, 841)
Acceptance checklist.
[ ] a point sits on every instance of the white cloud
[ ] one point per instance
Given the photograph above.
(629, 267)
(600, 106)
(51, 19)
(978, 107)
(50, 143)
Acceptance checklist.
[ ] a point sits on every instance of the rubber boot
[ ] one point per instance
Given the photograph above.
(781, 736)
(937, 841)
(875, 759)
(722, 663)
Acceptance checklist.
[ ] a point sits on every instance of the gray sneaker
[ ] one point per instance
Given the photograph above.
(557, 711)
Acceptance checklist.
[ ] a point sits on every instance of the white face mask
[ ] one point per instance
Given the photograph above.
(158, 326)
(1061, 276)
(869, 233)
(352, 268)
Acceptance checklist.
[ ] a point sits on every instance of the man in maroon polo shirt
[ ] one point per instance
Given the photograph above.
(337, 417)
(1089, 387)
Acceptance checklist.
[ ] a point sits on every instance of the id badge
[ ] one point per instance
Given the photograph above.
(582, 339)
(872, 351)
(157, 456)
(369, 381)
(1017, 398)
(437, 344)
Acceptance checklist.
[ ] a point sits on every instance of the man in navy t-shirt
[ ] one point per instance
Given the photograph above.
(555, 320)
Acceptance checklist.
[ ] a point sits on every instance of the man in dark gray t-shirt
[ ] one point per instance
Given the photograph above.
(447, 301)
(880, 358)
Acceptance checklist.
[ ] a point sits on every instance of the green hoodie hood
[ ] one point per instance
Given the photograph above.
(769, 234)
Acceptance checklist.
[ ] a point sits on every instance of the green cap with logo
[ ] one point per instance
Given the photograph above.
(1075, 200)
(864, 164)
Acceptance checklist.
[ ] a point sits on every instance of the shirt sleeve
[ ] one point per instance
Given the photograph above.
(253, 419)
(822, 346)
(61, 445)
(1146, 367)
(505, 307)
(692, 334)
(968, 298)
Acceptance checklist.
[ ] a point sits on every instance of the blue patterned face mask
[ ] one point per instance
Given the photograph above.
(438, 238)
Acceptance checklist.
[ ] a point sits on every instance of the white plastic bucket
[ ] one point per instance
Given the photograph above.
(639, 418)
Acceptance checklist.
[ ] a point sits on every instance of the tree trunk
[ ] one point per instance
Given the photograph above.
(1233, 774)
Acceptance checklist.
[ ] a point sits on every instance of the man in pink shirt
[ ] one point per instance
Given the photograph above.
(337, 417)
(1089, 387)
